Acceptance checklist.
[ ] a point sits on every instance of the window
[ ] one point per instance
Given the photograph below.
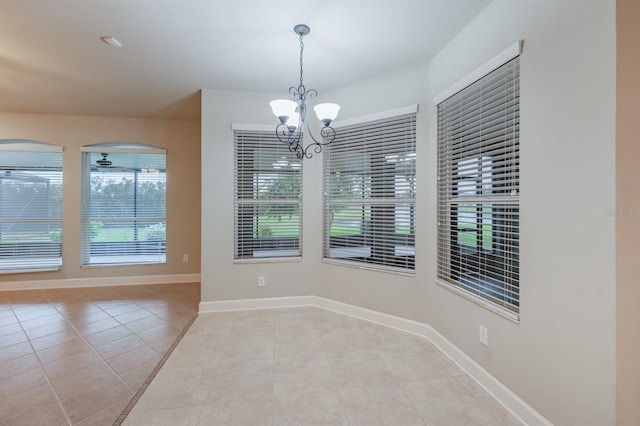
(478, 189)
(30, 206)
(123, 205)
(369, 199)
(268, 197)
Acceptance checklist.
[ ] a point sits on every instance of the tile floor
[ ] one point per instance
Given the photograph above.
(308, 366)
(78, 356)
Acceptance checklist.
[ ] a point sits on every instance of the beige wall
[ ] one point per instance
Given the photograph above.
(628, 210)
(182, 141)
(560, 358)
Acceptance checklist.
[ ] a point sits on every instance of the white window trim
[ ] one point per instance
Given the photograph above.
(392, 113)
(127, 148)
(495, 62)
(499, 60)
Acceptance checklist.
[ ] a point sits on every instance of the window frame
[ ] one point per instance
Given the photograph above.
(154, 250)
(378, 245)
(259, 144)
(32, 149)
(481, 174)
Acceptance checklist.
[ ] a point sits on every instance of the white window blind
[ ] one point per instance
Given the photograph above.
(268, 197)
(123, 206)
(30, 206)
(369, 194)
(478, 189)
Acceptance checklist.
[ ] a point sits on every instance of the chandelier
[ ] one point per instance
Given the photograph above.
(293, 114)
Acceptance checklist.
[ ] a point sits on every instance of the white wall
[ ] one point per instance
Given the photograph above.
(222, 279)
(560, 358)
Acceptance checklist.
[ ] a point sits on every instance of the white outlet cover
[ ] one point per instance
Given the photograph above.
(483, 335)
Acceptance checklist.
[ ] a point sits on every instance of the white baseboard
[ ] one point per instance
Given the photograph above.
(251, 304)
(99, 282)
(519, 408)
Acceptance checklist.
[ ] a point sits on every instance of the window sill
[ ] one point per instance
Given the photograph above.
(370, 267)
(107, 265)
(28, 271)
(268, 260)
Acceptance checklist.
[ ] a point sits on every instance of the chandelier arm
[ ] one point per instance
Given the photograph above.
(283, 133)
(328, 134)
(311, 93)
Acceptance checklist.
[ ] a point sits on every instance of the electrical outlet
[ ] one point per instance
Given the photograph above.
(483, 335)
(261, 281)
(185, 258)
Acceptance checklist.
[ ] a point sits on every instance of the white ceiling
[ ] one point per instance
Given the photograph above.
(52, 60)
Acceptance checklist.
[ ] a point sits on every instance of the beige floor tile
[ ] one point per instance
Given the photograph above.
(72, 363)
(54, 339)
(55, 327)
(22, 382)
(44, 316)
(76, 382)
(184, 416)
(240, 413)
(44, 416)
(144, 355)
(82, 316)
(446, 402)
(106, 323)
(14, 351)
(379, 405)
(498, 413)
(146, 323)
(18, 365)
(137, 376)
(133, 316)
(7, 318)
(408, 363)
(94, 400)
(15, 406)
(63, 350)
(11, 328)
(175, 388)
(360, 368)
(107, 336)
(160, 332)
(224, 385)
(196, 351)
(12, 339)
(107, 416)
(313, 379)
(309, 409)
(120, 346)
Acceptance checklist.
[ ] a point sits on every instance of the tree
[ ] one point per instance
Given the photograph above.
(284, 186)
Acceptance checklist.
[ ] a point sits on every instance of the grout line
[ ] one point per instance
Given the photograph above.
(35, 352)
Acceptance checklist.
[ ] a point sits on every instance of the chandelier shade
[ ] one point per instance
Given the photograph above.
(326, 112)
(292, 114)
(283, 108)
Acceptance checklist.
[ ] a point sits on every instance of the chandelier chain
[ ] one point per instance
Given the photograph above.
(301, 52)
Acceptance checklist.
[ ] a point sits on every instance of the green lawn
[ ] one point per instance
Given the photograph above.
(110, 235)
(469, 238)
